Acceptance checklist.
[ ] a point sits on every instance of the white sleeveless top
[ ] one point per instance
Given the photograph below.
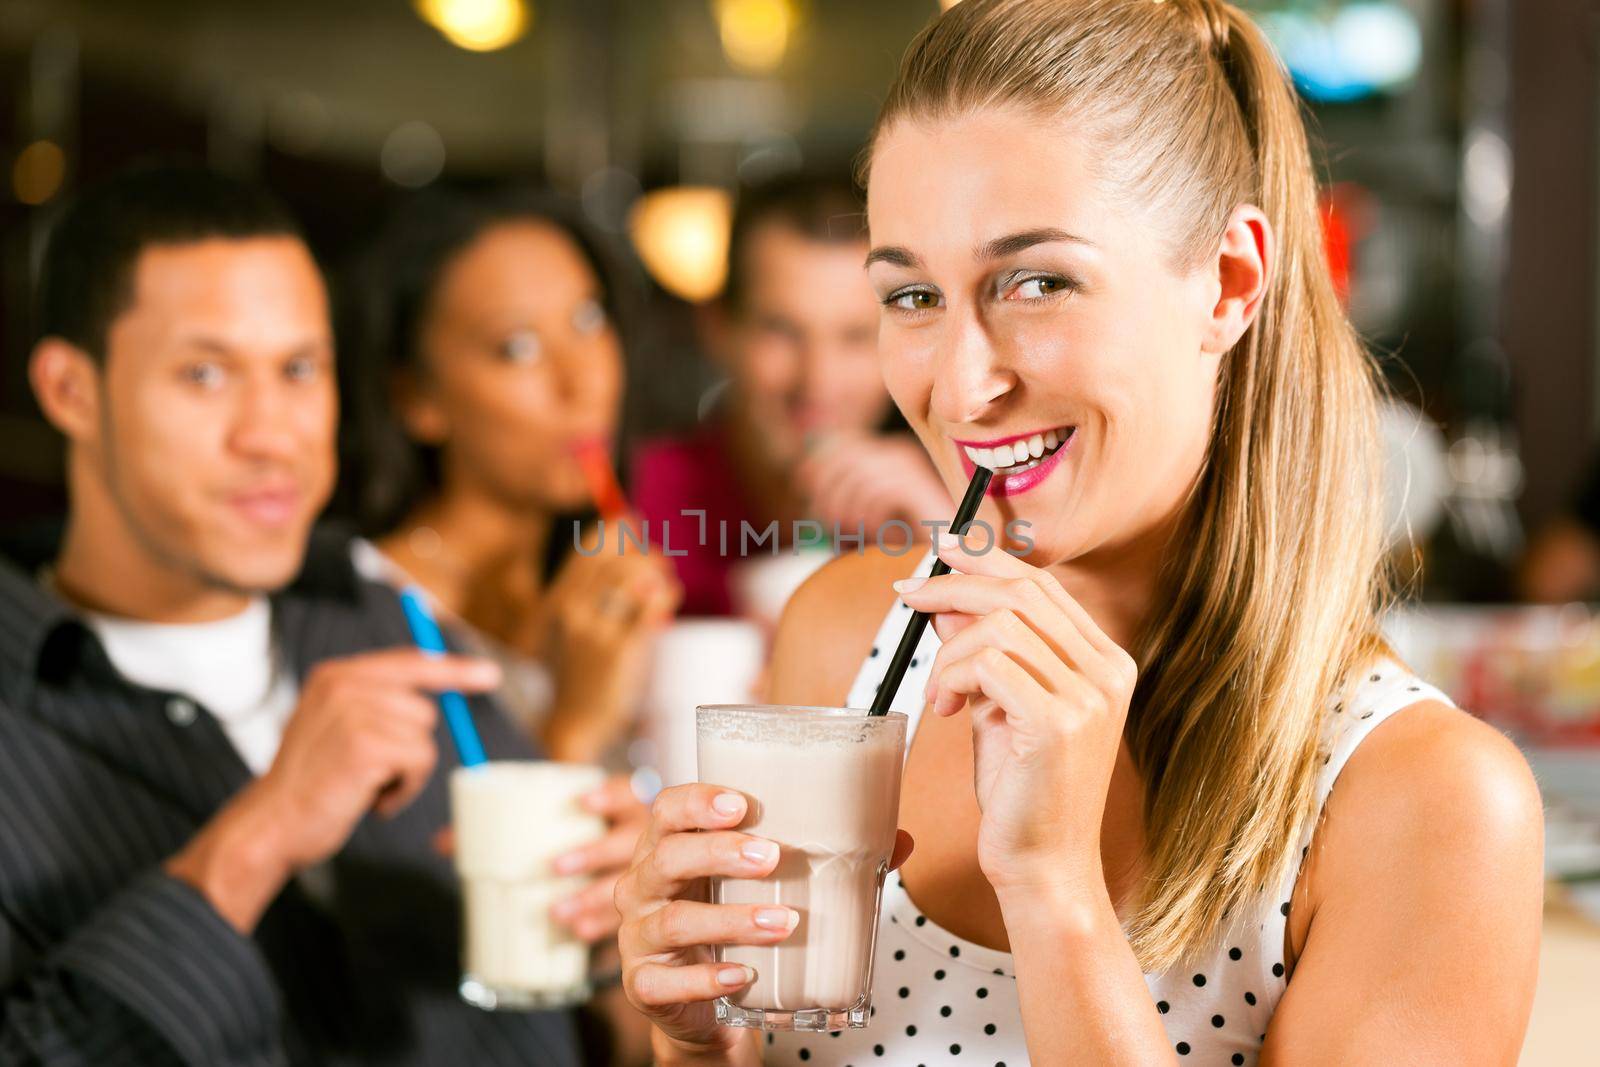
(939, 999)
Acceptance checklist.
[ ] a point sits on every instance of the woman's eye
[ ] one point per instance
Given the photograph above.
(522, 347)
(300, 369)
(204, 375)
(1036, 288)
(913, 300)
(589, 318)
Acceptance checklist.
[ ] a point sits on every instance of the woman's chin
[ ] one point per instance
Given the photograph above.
(1038, 546)
(557, 496)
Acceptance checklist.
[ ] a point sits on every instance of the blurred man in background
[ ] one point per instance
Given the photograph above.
(1562, 561)
(803, 429)
(197, 712)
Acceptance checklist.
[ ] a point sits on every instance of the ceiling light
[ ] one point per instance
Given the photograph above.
(477, 25)
(755, 33)
(681, 234)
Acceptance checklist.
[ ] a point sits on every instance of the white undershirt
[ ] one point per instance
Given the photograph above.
(229, 667)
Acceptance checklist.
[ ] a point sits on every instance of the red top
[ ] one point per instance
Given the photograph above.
(692, 472)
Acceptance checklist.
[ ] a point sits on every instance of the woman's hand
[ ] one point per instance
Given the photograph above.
(1048, 693)
(591, 913)
(851, 479)
(668, 927)
(602, 611)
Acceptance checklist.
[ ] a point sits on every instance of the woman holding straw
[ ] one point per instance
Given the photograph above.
(483, 343)
(1095, 238)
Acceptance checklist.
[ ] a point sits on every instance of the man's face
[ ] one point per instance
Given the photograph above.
(218, 408)
(804, 356)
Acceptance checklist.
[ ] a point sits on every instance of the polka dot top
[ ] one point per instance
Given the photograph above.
(939, 999)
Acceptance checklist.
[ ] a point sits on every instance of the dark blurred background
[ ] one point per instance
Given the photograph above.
(1458, 142)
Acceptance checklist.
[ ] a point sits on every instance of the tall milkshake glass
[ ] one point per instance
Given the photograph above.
(511, 819)
(824, 783)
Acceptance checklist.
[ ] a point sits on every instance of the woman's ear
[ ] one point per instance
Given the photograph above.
(417, 407)
(1244, 263)
(66, 382)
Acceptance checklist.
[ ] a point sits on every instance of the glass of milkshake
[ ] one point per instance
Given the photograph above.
(512, 818)
(824, 783)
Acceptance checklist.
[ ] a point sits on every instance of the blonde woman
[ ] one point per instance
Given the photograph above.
(1094, 227)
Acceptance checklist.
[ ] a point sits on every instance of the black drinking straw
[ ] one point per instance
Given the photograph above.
(919, 619)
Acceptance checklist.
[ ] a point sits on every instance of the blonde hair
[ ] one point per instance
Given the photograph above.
(1271, 605)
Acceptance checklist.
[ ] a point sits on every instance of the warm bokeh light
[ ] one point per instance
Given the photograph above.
(477, 25)
(755, 33)
(36, 175)
(681, 234)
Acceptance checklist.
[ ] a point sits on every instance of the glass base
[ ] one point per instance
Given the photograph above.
(518, 998)
(811, 1020)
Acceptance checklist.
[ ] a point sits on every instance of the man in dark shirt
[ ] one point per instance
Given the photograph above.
(254, 883)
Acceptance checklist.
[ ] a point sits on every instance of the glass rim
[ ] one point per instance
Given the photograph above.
(501, 769)
(811, 712)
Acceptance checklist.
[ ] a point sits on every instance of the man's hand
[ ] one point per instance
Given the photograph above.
(360, 739)
(853, 479)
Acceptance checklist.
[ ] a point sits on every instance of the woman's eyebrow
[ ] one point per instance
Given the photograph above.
(1012, 243)
(999, 248)
(894, 256)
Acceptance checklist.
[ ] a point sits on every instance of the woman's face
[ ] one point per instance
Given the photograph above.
(520, 365)
(1022, 304)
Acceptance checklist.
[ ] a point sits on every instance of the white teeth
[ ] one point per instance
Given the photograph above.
(1017, 453)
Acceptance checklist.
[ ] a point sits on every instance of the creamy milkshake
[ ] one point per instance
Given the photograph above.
(512, 819)
(824, 783)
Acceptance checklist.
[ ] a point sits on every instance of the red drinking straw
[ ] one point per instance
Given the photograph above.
(594, 462)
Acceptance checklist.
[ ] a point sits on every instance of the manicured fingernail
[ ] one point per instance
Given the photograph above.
(909, 585)
(948, 540)
(727, 803)
(571, 863)
(777, 918)
(759, 852)
(734, 976)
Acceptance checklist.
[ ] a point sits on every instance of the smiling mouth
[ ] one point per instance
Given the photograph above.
(267, 507)
(1020, 455)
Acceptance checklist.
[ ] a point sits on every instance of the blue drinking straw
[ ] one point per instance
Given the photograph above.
(425, 632)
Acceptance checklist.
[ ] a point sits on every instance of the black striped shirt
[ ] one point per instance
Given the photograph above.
(104, 959)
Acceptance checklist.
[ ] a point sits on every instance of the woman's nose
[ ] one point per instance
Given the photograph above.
(971, 376)
(586, 376)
